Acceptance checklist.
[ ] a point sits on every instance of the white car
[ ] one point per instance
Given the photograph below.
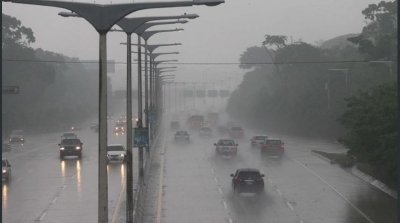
(205, 131)
(116, 152)
(258, 140)
(6, 170)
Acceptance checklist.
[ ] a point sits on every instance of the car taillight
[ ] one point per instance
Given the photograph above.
(201, 131)
(281, 146)
(242, 130)
(259, 179)
(265, 145)
(237, 179)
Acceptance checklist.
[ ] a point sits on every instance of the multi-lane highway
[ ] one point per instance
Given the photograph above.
(193, 184)
(44, 189)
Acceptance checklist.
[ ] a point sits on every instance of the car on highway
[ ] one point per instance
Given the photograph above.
(17, 136)
(70, 147)
(196, 121)
(222, 129)
(226, 147)
(247, 180)
(75, 127)
(6, 147)
(273, 147)
(121, 120)
(94, 125)
(110, 117)
(182, 135)
(175, 125)
(236, 133)
(69, 135)
(6, 170)
(257, 140)
(205, 131)
(116, 152)
(119, 127)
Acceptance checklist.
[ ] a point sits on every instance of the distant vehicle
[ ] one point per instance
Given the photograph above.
(222, 129)
(212, 118)
(121, 120)
(226, 147)
(122, 117)
(93, 126)
(257, 140)
(236, 132)
(247, 180)
(17, 136)
(119, 127)
(69, 135)
(181, 135)
(205, 131)
(70, 147)
(196, 121)
(110, 117)
(6, 170)
(272, 146)
(116, 152)
(175, 125)
(6, 147)
(75, 127)
(230, 124)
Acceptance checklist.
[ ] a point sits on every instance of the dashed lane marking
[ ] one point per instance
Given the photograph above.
(301, 221)
(42, 216)
(116, 210)
(341, 195)
(72, 177)
(65, 186)
(209, 163)
(290, 206)
(30, 171)
(225, 205)
(216, 180)
(279, 192)
(220, 191)
(18, 179)
(212, 170)
(230, 220)
(270, 180)
(54, 200)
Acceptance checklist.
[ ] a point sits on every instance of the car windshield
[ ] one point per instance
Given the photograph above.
(236, 129)
(205, 129)
(226, 143)
(115, 148)
(260, 137)
(119, 125)
(70, 142)
(17, 132)
(274, 142)
(249, 174)
(182, 133)
(69, 134)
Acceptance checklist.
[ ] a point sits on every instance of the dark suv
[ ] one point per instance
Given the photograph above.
(247, 180)
(70, 147)
(273, 147)
(236, 132)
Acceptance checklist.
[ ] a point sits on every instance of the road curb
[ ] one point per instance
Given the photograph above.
(363, 176)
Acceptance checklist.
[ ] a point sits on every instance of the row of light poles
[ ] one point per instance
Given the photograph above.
(103, 18)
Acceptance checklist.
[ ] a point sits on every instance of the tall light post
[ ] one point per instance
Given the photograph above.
(102, 18)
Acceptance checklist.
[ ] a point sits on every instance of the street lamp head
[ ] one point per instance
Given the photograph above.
(208, 2)
(190, 16)
(182, 21)
(68, 14)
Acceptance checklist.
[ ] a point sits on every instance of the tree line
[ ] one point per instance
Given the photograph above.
(328, 90)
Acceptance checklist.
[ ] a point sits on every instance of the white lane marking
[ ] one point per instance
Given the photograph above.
(301, 221)
(18, 179)
(220, 191)
(279, 192)
(72, 176)
(226, 206)
(54, 200)
(212, 170)
(216, 180)
(116, 210)
(42, 217)
(64, 187)
(230, 220)
(209, 163)
(341, 195)
(30, 171)
(290, 206)
(160, 183)
(270, 180)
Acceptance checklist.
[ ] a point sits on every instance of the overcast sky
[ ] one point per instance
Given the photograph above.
(220, 34)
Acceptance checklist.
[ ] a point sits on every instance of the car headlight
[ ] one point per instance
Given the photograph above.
(122, 155)
(4, 171)
(116, 128)
(62, 148)
(72, 127)
(78, 147)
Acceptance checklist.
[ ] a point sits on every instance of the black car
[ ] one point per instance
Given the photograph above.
(119, 127)
(236, 132)
(17, 136)
(247, 180)
(273, 147)
(70, 147)
(182, 135)
(75, 127)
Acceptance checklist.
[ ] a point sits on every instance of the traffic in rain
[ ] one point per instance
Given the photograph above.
(204, 111)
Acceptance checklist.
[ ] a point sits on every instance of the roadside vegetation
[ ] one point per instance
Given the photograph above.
(290, 88)
(53, 95)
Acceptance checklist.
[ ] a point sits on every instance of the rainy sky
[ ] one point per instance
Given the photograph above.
(220, 34)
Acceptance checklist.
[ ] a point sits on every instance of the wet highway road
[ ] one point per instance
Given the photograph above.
(45, 189)
(196, 186)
